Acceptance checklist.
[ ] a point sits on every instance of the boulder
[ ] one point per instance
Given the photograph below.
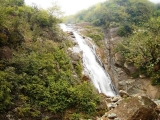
(135, 108)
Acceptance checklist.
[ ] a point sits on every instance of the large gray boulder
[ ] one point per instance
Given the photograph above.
(135, 108)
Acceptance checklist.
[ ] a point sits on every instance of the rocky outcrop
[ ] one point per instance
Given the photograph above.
(120, 70)
(137, 107)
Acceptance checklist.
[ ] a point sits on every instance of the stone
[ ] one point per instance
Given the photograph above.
(133, 108)
(111, 105)
(123, 93)
(116, 98)
(112, 115)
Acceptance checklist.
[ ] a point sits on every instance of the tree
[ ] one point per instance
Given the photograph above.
(143, 47)
(55, 10)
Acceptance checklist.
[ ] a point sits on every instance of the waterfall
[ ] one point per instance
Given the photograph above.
(99, 77)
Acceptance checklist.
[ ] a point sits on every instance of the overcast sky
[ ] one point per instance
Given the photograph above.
(69, 6)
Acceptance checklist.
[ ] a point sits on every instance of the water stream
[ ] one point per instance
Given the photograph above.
(99, 77)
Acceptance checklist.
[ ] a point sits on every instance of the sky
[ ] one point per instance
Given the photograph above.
(69, 7)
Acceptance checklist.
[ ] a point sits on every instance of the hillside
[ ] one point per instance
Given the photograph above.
(37, 77)
(137, 23)
(41, 79)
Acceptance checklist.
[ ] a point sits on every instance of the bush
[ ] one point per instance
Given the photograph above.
(41, 18)
(41, 82)
(124, 30)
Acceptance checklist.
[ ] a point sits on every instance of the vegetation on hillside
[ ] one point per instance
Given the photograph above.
(37, 80)
(138, 23)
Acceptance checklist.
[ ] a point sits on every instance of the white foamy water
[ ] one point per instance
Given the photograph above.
(96, 72)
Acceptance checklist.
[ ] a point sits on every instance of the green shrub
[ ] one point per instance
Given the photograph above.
(124, 30)
(42, 81)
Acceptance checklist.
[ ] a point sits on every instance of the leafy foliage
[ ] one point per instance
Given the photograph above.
(142, 48)
(42, 82)
(38, 82)
(115, 13)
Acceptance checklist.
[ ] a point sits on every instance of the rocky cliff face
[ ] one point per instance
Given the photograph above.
(119, 70)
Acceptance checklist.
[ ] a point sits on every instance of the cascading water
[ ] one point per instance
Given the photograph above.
(96, 72)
